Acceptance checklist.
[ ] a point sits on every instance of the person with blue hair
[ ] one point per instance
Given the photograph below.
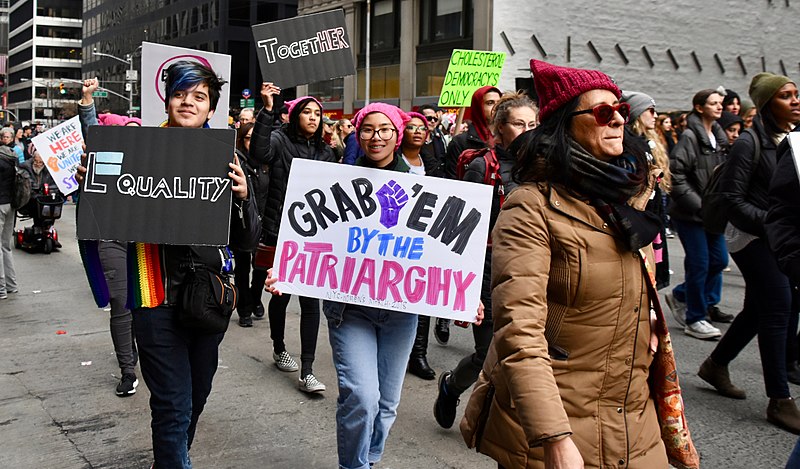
(178, 363)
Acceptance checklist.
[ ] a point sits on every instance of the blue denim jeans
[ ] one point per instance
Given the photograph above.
(794, 458)
(370, 353)
(178, 366)
(706, 256)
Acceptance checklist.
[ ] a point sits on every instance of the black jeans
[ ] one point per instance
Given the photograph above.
(766, 313)
(241, 275)
(309, 328)
(178, 365)
(466, 372)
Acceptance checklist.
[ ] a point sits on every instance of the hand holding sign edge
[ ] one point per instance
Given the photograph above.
(239, 181)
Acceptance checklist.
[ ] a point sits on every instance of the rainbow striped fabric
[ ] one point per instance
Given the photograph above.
(145, 282)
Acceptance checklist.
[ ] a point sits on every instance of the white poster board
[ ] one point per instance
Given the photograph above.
(156, 58)
(383, 239)
(61, 148)
(794, 142)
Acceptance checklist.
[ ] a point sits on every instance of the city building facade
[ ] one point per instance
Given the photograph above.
(115, 30)
(44, 54)
(668, 51)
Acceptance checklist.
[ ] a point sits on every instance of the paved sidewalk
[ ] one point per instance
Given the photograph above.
(59, 411)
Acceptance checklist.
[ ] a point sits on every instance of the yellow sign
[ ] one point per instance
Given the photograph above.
(469, 70)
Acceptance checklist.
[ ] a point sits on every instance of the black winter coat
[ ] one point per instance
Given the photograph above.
(38, 180)
(692, 163)
(745, 186)
(468, 140)
(783, 217)
(277, 150)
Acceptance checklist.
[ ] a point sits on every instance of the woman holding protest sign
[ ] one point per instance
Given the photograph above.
(565, 381)
(370, 345)
(113, 260)
(300, 138)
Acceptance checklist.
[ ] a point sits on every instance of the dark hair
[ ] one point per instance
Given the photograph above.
(768, 120)
(427, 106)
(26, 127)
(241, 133)
(701, 97)
(184, 75)
(545, 156)
(729, 97)
(293, 128)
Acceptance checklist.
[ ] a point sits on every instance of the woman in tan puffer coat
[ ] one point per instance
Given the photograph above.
(573, 342)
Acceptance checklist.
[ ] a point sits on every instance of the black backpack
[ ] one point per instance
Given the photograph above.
(714, 209)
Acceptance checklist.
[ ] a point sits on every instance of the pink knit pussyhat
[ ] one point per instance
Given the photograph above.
(111, 119)
(394, 113)
(293, 103)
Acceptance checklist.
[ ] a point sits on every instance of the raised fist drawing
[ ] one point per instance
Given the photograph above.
(392, 198)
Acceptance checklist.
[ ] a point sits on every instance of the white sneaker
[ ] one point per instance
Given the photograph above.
(311, 384)
(702, 330)
(284, 361)
(678, 308)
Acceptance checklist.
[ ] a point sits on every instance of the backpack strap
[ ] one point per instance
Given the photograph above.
(756, 145)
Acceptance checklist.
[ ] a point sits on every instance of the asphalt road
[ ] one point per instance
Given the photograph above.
(58, 408)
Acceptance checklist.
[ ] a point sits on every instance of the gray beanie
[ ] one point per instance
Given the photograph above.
(639, 103)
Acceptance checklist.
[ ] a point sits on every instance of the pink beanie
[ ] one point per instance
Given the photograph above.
(395, 114)
(291, 104)
(111, 119)
(417, 115)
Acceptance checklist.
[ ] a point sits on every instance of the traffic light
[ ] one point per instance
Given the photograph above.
(61, 89)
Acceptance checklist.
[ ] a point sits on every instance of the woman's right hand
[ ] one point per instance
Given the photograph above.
(268, 90)
(269, 284)
(562, 454)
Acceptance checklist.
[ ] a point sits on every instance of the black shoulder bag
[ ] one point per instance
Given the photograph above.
(207, 299)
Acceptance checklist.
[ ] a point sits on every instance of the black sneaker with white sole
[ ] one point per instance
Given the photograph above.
(127, 385)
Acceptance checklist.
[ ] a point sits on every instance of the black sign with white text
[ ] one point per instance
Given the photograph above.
(157, 185)
(304, 49)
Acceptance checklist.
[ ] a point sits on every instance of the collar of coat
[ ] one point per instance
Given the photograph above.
(572, 205)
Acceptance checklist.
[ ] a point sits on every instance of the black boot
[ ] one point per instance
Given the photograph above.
(418, 361)
(793, 373)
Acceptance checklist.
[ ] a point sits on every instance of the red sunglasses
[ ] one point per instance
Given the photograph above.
(604, 113)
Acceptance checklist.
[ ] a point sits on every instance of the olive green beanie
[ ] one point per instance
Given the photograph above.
(764, 86)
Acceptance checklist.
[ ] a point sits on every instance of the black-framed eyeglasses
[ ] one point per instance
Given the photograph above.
(384, 133)
(604, 113)
(430, 118)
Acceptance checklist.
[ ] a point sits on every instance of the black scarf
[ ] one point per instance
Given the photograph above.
(609, 186)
